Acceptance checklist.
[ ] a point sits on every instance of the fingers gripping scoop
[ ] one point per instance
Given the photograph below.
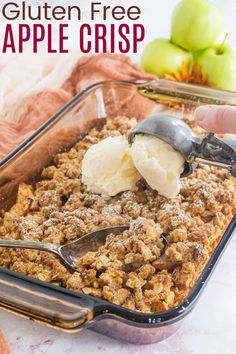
(208, 150)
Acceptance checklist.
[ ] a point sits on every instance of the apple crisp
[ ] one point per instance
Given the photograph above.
(152, 266)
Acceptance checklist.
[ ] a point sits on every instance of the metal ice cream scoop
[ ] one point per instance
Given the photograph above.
(70, 252)
(208, 150)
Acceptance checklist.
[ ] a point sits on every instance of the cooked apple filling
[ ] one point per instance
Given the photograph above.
(152, 266)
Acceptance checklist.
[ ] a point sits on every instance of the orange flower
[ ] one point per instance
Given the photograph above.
(191, 75)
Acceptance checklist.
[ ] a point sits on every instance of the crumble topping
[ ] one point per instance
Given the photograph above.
(152, 266)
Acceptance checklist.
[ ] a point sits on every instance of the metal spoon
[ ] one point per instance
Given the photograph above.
(70, 252)
(207, 150)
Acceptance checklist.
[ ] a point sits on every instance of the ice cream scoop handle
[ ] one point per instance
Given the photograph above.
(231, 143)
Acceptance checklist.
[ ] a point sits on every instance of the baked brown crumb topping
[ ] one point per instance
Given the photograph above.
(149, 268)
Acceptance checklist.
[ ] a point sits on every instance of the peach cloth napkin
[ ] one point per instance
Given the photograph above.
(31, 112)
(4, 348)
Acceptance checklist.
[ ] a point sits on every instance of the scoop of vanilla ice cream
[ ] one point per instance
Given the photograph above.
(108, 169)
(158, 163)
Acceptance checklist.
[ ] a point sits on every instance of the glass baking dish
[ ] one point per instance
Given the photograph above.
(65, 309)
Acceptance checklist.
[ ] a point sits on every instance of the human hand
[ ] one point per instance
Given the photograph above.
(216, 119)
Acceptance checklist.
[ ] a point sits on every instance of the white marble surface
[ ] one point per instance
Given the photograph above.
(209, 329)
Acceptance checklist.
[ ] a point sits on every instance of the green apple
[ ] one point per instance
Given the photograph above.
(219, 65)
(162, 57)
(196, 25)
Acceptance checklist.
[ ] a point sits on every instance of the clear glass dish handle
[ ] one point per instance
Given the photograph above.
(44, 303)
(182, 92)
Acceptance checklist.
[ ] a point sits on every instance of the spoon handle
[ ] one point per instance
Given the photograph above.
(30, 245)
